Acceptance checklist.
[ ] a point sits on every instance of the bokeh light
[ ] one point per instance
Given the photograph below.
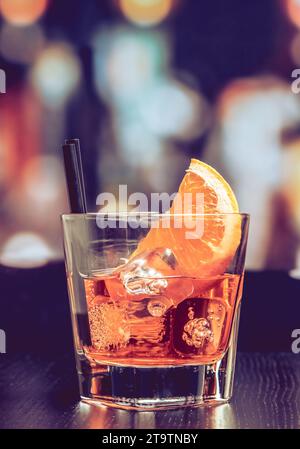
(8, 157)
(41, 194)
(146, 12)
(22, 12)
(293, 11)
(290, 185)
(172, 109)
(247, 149)
(37, 200)
(42, 179)
(140, 147)
(291, 175)
(127, 62)
(21, 44)
(56, 74)
(148, 106)
(295, 49)
(25, 250)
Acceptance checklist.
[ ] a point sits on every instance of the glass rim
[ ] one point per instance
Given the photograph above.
(129, 214)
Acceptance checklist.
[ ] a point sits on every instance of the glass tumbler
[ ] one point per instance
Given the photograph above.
(155, 303)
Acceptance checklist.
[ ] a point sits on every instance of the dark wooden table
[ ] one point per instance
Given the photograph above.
(37, 392)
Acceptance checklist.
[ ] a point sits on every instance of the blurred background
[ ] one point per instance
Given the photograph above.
(146, 85)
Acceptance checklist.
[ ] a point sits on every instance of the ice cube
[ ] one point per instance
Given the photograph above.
(198, 327)
(152, 274)
(145, 273)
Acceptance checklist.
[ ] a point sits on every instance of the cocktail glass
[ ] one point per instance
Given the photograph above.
(153, 329)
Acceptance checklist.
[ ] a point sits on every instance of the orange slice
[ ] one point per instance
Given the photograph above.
(213, 245)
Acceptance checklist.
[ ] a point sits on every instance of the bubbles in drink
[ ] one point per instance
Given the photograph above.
(108, 326)
(196, 331)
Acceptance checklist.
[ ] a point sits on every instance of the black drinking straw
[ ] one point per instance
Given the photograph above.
(76, 142)
(74, 176)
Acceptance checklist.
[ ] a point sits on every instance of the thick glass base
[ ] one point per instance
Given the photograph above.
(153, 388)
(141, 405)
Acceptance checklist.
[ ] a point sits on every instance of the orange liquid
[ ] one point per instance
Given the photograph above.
(141, 330)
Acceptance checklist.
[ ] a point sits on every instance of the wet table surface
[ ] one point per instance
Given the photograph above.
(37, 392)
